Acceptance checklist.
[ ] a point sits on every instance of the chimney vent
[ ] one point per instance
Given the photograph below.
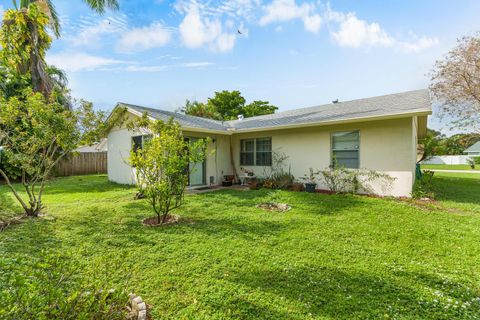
(240, 117)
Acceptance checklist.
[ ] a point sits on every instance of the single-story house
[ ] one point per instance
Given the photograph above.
(473, 150)
(379, 133)
(100, 146)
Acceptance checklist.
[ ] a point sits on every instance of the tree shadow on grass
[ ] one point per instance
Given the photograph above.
(460, 188)
(84, 184)
(342, 294)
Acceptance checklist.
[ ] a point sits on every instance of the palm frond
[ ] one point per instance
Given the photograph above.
(101, 5)
(57, 75)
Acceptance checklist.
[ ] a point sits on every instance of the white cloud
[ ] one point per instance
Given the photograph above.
(90, 34)
(354, 32)
(418, 44)
(138, 39)
(2, 10)
(134, 68)
(197, 64)
(79, 61)
(286, 10)
(197, 31)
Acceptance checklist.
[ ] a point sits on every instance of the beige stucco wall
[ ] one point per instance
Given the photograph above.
(120, 144)
(388, 146)
(385, 145)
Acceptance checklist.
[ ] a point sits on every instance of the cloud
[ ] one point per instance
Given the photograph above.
(90, 33)
(418, 44)
(79, 61)
(286, 10)
(355, 33)
(197, 64)
(139, 39)
(197, 31)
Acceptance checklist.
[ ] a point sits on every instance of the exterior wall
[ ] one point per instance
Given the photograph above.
(120, 144)
(388, 146)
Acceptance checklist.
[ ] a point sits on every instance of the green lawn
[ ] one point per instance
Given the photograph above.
(330, 257)
(448, 167)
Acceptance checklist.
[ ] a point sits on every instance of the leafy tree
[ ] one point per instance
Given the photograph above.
(258, 108)
(36, 134)
(228, 104)
(162, 164)
(456, 83)
(25, 40)
(48, 8)
(200, 109)
(432, 144)
(93, 124)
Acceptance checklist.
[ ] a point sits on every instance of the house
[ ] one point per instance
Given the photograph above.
(100, 146)
(473, 150)
(379, 133)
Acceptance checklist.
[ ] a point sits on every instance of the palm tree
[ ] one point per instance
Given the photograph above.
(48, 7)
(44, 78)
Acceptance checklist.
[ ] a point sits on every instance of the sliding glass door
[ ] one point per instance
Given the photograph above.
(197, 170)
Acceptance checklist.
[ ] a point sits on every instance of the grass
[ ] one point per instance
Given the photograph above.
(330, 257)
(448, 167)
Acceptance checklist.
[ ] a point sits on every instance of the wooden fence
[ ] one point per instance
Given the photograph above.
(82, 163)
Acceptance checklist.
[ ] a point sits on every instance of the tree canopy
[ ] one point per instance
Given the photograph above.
(227, 105)
(455, 83)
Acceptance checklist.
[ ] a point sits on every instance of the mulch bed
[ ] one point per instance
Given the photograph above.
(276, 207)
(153, 221)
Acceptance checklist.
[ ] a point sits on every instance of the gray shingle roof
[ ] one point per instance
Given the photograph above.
(369, 107)
(184, 120)
(406, 102)
(474, 148)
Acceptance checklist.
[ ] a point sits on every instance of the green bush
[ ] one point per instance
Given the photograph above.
(423, 187)
(477, 160)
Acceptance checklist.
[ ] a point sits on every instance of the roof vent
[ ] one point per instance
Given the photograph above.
(240, 117)
(335, 101)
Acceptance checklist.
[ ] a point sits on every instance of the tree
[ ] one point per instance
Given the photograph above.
(228, 104)
(36, 133)
(24, 40)
(258, 108)
(200, 109)
(432, 144)
(48, 8)
(456, 83)
(162, 164)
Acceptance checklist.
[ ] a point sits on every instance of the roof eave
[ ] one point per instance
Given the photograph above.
(419, 112)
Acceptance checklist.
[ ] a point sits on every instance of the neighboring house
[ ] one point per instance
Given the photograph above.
(379, 133)
(474, 150)
(96, 147)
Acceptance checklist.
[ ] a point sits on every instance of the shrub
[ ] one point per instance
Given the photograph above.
(423, 187)
(343, 180)
(161, 164)
(477, 160)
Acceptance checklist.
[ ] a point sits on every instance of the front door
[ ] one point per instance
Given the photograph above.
(197, 171)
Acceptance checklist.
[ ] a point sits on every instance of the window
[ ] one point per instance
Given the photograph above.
(247, 152)
(139, 141)
(346, 149)
(256, 152)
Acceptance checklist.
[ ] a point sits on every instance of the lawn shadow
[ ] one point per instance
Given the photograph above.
(460, 188)
(341, 294)
(84, 184)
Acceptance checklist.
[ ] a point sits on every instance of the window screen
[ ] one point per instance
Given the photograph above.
(346, 149)
(247, 152)
(264, 152)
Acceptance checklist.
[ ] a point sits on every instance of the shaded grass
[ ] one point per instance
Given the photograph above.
(330, 257)
(448, 167)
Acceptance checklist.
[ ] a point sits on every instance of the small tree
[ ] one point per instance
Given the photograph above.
(36, 134)
(456, 83)
(162, 164)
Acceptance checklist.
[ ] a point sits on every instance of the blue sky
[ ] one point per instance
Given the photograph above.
(292, 53)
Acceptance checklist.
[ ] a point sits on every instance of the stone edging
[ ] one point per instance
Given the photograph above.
(138, 308)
